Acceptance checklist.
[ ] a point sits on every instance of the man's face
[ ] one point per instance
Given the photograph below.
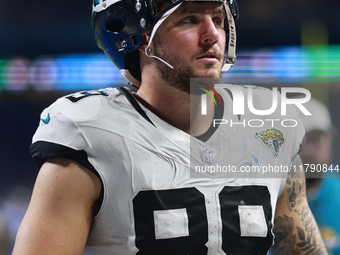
(193, 41)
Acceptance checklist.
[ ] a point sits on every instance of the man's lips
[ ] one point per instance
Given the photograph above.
(209, 55)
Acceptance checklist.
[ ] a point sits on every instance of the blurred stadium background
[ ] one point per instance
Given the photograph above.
(47, 50)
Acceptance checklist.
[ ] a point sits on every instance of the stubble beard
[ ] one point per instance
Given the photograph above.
(179, 76)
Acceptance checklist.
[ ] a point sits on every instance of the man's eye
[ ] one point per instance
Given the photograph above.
(189, 20)
(218, 22)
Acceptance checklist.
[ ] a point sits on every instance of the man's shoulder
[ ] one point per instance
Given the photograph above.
(85, 105)
(76, 120)
(87, 113)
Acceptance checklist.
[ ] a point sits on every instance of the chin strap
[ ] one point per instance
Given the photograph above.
(231, 58)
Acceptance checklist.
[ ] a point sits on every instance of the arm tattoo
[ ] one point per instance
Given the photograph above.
(285, 238)
(290, 238)
(307, 234)
(297, 185)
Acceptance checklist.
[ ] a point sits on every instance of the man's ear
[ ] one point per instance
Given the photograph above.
(145, 41)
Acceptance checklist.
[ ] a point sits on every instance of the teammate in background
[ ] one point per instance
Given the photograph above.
(116, 173)
(322, 193)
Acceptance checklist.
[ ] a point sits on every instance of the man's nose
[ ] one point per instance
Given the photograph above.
(210, 33)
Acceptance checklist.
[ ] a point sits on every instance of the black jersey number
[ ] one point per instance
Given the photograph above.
(83, 94)
(187, 211)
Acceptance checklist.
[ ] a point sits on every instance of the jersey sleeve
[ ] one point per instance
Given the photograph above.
(58, 135)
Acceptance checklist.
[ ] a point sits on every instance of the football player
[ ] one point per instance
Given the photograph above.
(125, 173)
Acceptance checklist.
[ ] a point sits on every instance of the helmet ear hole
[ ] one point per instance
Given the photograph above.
(115, 26)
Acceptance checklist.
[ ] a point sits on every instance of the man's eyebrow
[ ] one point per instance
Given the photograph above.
(191, 10)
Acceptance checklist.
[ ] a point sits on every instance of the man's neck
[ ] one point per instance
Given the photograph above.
(176, 107)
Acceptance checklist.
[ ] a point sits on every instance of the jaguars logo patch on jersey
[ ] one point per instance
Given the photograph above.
(271, 138)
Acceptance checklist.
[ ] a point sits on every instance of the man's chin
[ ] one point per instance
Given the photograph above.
(210, 72)
(216, 76)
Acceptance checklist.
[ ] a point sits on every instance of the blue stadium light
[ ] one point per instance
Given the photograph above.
(72, 72)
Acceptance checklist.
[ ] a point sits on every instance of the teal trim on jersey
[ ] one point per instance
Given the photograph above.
(47, 119)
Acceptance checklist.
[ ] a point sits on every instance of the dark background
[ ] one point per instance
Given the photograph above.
(32, 28)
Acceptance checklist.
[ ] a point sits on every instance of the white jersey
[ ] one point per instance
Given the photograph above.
(165, 192)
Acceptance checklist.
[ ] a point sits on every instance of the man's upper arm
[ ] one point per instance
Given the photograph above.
(295, 229)
(60, 212)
